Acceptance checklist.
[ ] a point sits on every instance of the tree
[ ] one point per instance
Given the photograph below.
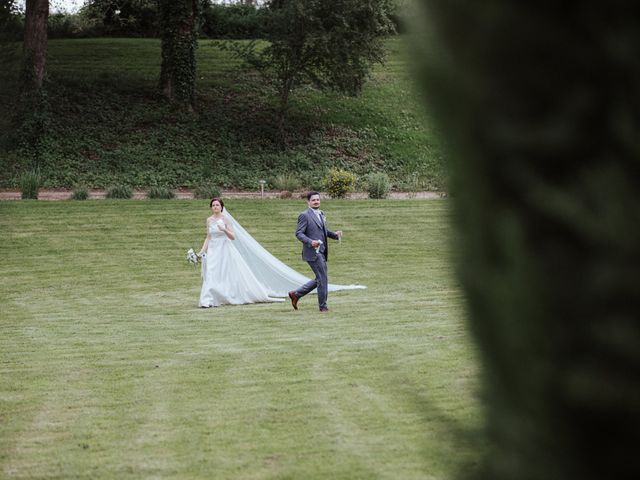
(540, 106)
(10, 29)
(9, 21)
(178, 26)
(35, 44)
(330, 44)
(124, 17)
(32, 112)
(10, 33)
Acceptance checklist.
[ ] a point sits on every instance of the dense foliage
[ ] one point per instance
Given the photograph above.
(233, 21)
(140, 18)
(10, 21)
(329, 44)
(107, 126)
(11, 27)
(178, 28)
(119, 18)
(136, 18)
(541, 106)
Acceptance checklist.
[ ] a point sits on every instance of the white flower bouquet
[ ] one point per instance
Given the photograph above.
(192, 257)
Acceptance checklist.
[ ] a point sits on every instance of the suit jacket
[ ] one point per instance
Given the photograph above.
(311, 228)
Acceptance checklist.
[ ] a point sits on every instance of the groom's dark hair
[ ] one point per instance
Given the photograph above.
(311, 194)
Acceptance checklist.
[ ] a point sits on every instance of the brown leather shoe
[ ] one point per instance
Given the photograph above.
(324, 310)
(294, 299)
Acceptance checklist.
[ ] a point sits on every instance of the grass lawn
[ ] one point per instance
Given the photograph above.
(109, 369)
(108, 125)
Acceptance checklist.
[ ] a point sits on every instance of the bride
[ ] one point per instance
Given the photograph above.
(236, 269)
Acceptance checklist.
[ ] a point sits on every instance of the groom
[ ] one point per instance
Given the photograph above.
(312, 231)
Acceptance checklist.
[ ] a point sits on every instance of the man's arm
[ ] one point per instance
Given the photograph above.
(335, 235)
(301, 228)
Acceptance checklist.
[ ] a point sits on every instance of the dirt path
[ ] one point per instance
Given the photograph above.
(64, 194)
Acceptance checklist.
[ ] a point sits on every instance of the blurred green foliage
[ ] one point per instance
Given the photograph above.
(539, 106)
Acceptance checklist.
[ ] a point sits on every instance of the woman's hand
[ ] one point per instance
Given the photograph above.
(228, 230)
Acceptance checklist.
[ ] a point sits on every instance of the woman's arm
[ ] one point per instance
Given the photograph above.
(228, 229)
(206, 241)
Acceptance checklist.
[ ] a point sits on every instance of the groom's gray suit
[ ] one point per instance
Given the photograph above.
(313, 226)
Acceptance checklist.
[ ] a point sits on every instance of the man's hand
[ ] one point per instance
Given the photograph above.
(339, 233)
(315, 243)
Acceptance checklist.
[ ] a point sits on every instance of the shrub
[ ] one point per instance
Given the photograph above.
(378, 185)
(207, 191)
(30, 182)
(412, 184)
(120, 191)
(339, 182)
(131, 19)
(161, 193)
(233, 21)
(286, 182)
(80, 193)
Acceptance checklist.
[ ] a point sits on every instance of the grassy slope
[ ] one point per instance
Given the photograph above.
(109, 126)
(110, 371)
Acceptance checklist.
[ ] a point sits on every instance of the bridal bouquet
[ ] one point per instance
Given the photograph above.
(192, 257)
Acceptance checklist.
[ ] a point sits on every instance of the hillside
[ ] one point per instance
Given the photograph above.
(108, 125)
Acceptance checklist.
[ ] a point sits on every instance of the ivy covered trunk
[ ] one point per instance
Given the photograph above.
(540, 103)
(35, 44)
(178, 25)
(32, 113)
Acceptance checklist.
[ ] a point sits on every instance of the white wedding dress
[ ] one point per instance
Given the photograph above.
(242, 271)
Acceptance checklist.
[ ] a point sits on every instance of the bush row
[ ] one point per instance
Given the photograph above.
(338, 184)
(140, 19)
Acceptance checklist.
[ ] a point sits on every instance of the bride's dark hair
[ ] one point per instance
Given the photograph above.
(219, 200)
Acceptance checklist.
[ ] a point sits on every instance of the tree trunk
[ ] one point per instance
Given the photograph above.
(178, 24)
(540, 104)
(32, 112)
(35, 44)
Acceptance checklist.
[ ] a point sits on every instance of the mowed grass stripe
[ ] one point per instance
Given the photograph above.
(109, 369)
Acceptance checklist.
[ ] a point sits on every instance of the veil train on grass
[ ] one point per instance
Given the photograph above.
(277, 277)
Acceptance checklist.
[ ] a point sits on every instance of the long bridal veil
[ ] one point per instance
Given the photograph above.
(277, 277)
